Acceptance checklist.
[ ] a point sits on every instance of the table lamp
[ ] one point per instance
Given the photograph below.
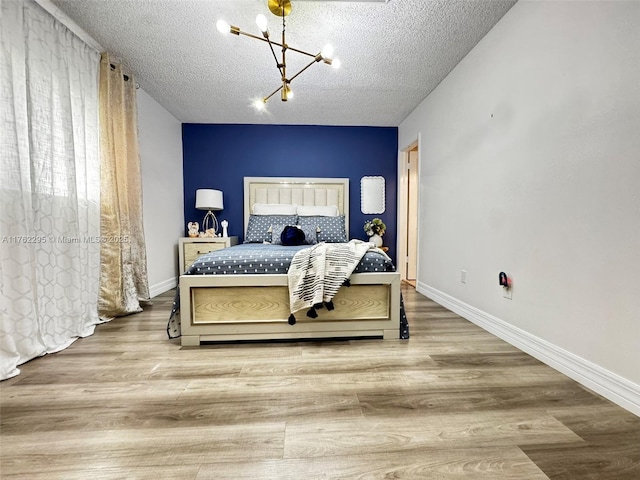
(208, 199)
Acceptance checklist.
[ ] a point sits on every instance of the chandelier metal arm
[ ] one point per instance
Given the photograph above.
(265, 99)
(299, 51)
(240, 32)
(278, 65)
(262, 39)
(310, 63)
(317, 58)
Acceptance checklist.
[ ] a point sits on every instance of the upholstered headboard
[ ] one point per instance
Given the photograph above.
(297, 191)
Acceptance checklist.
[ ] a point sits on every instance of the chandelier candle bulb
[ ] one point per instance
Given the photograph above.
(327, 52)
(222, 26)
(261, 21)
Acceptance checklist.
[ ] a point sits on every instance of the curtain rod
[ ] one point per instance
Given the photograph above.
(63, 18)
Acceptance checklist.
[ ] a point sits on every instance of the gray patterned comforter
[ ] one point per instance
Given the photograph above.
(255, 258)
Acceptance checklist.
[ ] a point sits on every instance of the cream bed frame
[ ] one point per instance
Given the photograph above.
(256, 307)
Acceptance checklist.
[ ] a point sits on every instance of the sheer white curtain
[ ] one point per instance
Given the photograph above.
(49, 185)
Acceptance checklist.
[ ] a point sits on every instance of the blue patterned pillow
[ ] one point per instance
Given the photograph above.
(310, 234)
(258, 228)
(330, 229)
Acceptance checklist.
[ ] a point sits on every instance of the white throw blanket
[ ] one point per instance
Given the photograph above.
(317, 273)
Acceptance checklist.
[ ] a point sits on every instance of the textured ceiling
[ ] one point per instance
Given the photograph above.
(392, 54)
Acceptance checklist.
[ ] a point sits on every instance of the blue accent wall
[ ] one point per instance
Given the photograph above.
(219, 156)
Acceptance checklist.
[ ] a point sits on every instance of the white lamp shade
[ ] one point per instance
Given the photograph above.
(207, 199)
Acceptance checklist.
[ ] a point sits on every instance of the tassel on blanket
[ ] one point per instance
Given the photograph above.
(292, 319)
(312, 313)
(346, 283)
(329, 305)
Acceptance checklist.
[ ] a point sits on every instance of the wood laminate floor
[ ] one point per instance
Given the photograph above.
(452, 402)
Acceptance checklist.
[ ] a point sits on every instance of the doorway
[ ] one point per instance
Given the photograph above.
(408, 205)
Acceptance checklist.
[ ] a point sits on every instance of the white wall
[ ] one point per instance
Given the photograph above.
(530, 163)
(160, 138)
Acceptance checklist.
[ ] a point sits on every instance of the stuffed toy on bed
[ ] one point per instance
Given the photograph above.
(292, 235)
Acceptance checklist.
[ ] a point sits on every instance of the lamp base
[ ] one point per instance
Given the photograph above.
(210, 219)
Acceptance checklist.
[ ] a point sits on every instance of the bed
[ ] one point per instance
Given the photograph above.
(238, 294)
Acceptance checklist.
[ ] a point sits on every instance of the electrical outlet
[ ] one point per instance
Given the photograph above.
(463, 276)
(507, 293)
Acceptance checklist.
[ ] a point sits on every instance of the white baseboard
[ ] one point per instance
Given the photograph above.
(611, 386)
(158, 288)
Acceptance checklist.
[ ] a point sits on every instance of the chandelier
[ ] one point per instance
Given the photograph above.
(280, 8)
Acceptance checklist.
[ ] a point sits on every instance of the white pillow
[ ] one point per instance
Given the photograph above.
(318, 211)
(273, 209)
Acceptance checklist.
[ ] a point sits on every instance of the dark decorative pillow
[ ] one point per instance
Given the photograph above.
(310, 235)
(292, 235)
(330, 229)
(258, 228)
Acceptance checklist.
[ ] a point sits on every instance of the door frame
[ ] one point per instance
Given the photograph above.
(402, 202)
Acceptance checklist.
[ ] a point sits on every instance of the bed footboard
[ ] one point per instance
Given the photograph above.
(256, 307)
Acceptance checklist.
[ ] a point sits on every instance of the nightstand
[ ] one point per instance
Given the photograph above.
(191, 248)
